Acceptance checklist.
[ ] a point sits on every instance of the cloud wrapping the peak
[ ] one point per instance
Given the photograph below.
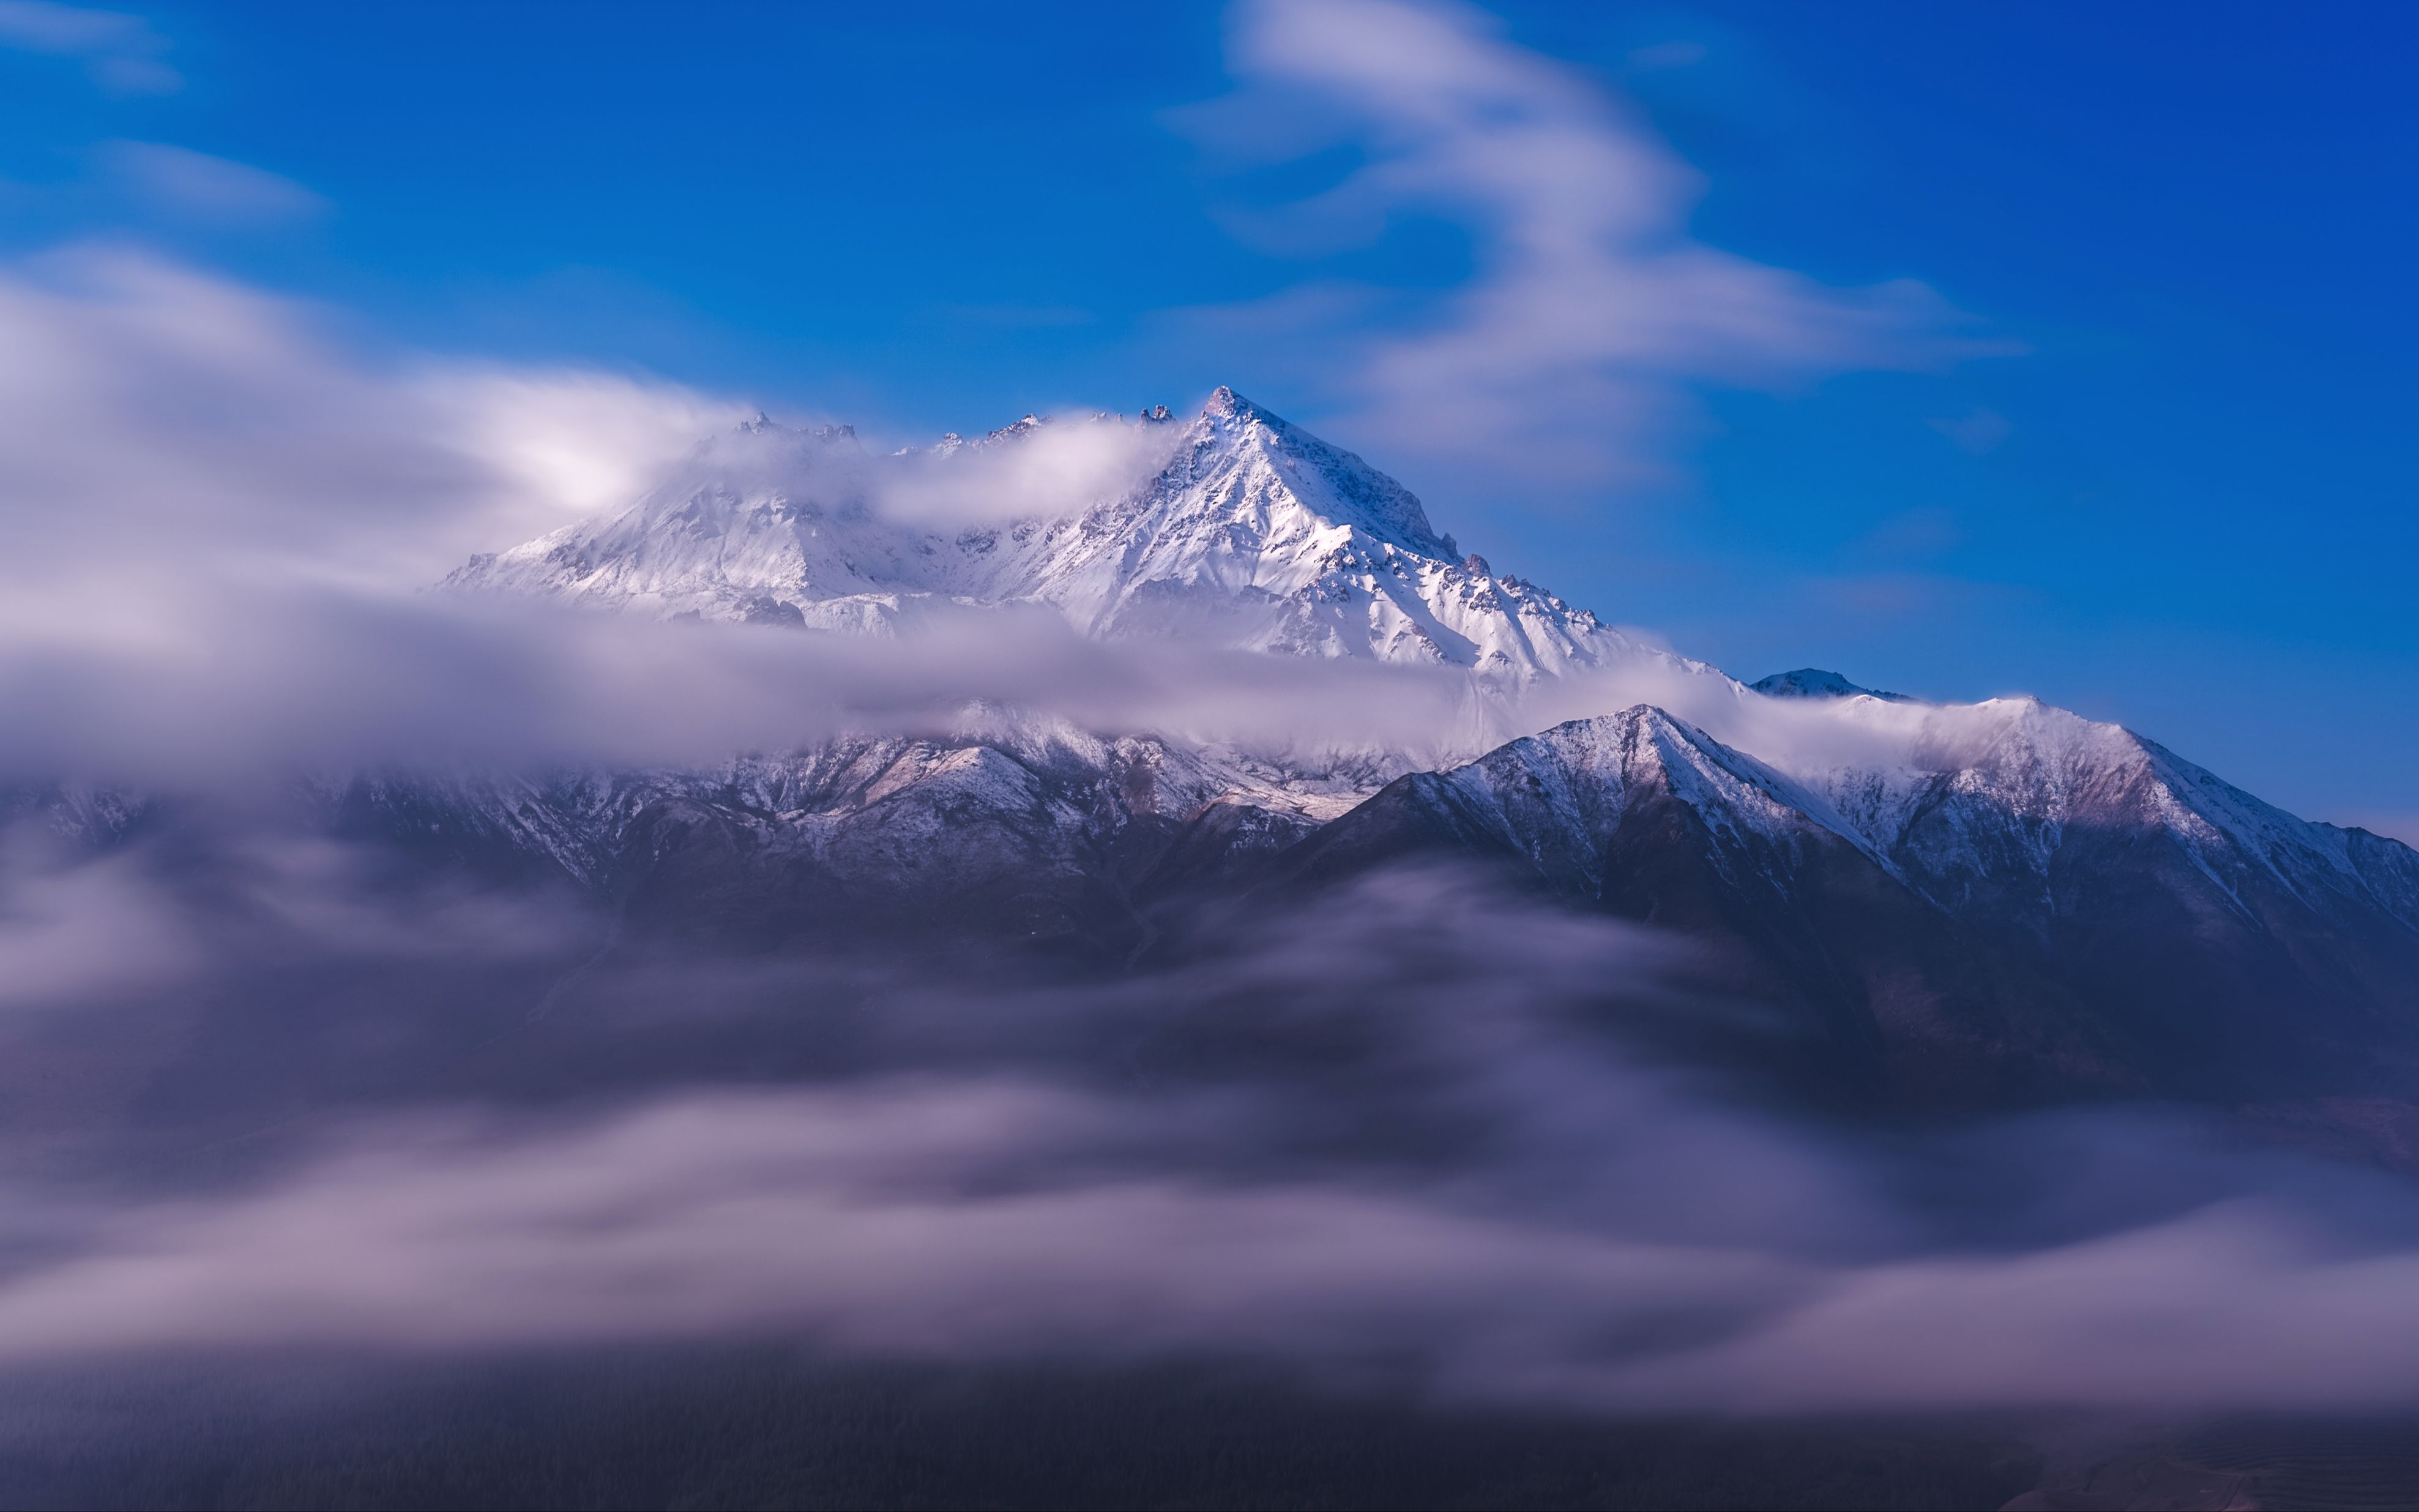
(1567, 355)
(224, 517)
(1043, 471)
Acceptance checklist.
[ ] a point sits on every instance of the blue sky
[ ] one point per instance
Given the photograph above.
(2082, 364)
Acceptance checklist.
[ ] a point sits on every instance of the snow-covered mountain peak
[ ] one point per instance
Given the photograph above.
(1234, 528)
(1235, 440)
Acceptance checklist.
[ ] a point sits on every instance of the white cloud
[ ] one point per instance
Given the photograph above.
(71, 933)
(565, 442)
(1569, 354)
(1050, 468)
(197, 185)
(160, 424)
(121, 51)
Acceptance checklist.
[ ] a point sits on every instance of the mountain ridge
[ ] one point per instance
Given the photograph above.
(1991, 895)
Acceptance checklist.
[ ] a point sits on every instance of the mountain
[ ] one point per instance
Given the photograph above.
(1995, 902)
(2017, 899)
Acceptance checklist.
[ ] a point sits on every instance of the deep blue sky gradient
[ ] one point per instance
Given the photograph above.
(2187, 505)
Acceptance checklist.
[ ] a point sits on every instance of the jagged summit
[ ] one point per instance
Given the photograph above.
(1814, 683)
(1343, 489)
(1235, 529)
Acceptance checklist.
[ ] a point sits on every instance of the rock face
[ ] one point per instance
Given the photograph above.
(1996, 902)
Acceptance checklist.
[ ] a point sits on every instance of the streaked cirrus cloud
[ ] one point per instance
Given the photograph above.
(1590, 311)
(124, 53)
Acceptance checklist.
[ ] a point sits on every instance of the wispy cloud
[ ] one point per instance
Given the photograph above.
(1980, 431)
(199, 186)
(161, 421)
(1567, 354)
(123, 53)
